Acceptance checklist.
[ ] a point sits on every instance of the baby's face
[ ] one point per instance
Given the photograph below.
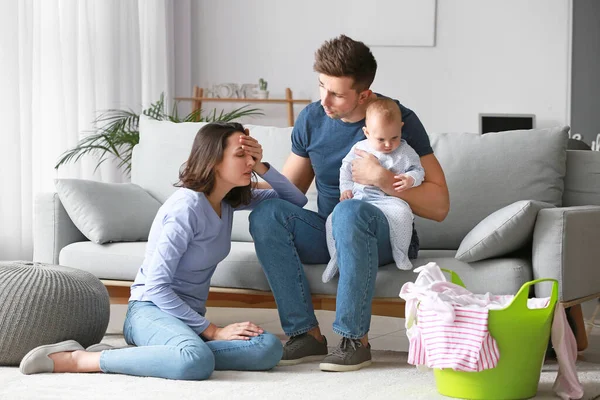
(383, 136)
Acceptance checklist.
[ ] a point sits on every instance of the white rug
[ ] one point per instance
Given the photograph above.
(390, 377)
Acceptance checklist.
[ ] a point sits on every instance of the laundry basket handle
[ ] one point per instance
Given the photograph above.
(520, 299)
(454, 278)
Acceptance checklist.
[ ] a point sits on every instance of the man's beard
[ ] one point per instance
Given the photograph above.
(345, 115)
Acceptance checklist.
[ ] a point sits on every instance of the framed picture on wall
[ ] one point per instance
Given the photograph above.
(387, 23)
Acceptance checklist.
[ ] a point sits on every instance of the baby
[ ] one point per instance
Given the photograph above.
(383, 133)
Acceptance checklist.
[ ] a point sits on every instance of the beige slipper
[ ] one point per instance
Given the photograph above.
(37, 360)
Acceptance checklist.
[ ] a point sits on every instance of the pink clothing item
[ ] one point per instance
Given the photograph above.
(566, 385)
(433, 291)
(448, 329)
(432, 295)
(463, 345)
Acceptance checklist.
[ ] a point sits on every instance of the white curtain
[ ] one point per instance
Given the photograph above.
(62, 62)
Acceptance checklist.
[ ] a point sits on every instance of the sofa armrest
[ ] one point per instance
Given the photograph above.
(565, 248)
(52, 228)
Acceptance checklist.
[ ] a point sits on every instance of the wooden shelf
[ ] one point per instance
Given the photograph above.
(243, 100)
(197, 99)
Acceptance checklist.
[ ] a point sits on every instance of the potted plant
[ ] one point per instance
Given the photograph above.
(117, 131)
(262, 93)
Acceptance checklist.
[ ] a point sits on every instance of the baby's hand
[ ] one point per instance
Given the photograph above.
(403, 182)
(346, 194)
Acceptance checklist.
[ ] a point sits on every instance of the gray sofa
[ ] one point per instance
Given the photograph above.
(484, 173)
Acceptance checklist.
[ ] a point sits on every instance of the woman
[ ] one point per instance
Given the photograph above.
(190, 235)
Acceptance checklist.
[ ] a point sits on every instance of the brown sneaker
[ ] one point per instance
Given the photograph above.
(350, 355)
(303, 348)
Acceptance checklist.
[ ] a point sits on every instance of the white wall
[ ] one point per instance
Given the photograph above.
(509, 56)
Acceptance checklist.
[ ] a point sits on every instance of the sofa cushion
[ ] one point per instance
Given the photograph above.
(501, 232)
(170, 143)
(118, 261)
(487, 172)
(241, 269)
(163, 147)
(108, 212)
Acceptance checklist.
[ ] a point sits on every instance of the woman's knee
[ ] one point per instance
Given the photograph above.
(271, 352)
(196, 363)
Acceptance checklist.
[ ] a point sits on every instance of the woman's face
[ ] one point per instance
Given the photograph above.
(236, 167)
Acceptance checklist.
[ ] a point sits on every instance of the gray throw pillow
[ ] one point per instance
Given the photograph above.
(108, 212)
(486, 172)
(501, 232)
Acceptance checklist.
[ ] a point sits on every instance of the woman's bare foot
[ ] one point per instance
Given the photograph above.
(76, 361)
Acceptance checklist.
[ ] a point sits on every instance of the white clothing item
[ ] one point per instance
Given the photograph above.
(403, 160)
(447, 335)
(411, 292)
(433, 290)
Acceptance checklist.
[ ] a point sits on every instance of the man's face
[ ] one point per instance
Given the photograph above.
(338, 98)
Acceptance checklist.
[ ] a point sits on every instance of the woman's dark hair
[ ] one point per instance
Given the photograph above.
(198, 172)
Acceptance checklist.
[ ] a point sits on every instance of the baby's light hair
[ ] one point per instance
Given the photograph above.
(387, 109)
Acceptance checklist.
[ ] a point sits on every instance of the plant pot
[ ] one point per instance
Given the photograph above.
(262, 94)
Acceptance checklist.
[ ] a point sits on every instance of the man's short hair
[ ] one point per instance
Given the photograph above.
(343, 56)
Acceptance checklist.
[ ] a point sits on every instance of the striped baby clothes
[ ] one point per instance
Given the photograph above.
(463, 345)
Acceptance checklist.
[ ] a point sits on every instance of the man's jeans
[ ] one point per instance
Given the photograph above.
(168, 348)
(285, 236)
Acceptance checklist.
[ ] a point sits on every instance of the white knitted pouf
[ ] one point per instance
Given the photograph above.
(42, 304)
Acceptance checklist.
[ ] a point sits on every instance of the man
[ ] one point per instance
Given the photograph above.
(286, 236)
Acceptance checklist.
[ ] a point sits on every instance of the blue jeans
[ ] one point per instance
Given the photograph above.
(285, 236)
(168, 348)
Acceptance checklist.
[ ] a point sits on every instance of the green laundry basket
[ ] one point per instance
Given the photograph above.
(522, 336)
